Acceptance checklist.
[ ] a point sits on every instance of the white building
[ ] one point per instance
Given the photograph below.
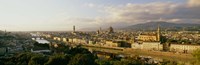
(147, 45)
(183, 48)
(42, 41)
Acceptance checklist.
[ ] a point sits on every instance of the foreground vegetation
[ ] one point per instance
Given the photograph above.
(73, 56)
(77, 56)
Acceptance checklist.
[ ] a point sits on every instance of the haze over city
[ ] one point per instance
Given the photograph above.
(61, 15)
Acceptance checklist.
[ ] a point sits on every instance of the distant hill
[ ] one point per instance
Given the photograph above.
(163, 26)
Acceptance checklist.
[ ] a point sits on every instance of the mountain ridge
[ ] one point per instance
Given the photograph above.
(163, 25)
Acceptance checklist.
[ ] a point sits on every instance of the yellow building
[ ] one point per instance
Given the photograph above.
(147, 37)
(154, 37)
(112, 44)
(70, 40)
(91, 42)
(48, 36)
(55, 38)
(59, 39)
(64, 40)
(82, 41)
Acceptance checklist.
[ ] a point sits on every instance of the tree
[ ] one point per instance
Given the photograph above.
(196, 55)
(79, 50)
(103, 62)
(58, 59)
(61, 49)
(82, 59)
(169, 62)
(38, 60)
(23, 59)
(163, 39)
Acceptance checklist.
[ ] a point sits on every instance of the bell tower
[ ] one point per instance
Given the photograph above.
(158, 33)
(74, 28)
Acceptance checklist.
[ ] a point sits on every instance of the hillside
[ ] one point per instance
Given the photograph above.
(163, 26)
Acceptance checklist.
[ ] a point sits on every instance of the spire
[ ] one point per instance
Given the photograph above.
(158, 33)
(5, 32)
(74, 28)
(160, 20)
(111, 30)
(98, 32)
(100, 29)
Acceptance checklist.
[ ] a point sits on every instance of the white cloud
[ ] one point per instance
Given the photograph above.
(91, 5)
(129, 14)
(194, 3)
(135, 13)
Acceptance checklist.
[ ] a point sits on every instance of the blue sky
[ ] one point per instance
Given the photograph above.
(61, 15)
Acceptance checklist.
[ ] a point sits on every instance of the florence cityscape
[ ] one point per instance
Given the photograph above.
(100, 32)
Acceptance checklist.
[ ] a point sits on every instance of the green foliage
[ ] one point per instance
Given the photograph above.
(125, 62)
(38, 60)
(168, 62)
(172, 40)
(2, 63)
(196, 54)
(79, 50)
(61, 49)
(38, 46)
(82, 59)
(76, 56)
(81, 56)
(58, 59)
(163, 39)
(26, 59)
(7, 37)
(103, 62)
(9, 61)
(23, 59)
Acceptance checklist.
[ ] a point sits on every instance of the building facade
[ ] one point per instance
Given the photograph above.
(152, 38)
(183, 48)
(147, 45)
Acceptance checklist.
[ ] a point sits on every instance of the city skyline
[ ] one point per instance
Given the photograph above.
(51, 15)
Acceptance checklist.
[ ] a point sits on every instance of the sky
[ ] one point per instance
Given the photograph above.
(61, 15)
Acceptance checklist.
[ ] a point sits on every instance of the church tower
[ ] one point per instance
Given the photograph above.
(74, 28)
(111, 30)
(158, 33)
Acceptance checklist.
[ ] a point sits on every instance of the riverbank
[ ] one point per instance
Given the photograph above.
(154, 54)
(160, 54)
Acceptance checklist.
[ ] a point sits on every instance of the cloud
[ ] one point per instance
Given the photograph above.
(168, 11)
(194, 3)
(91, 5)
(131, 13)
(140, 12)
(85, 20)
